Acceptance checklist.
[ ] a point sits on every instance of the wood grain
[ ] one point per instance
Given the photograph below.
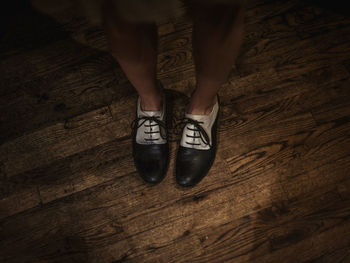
(279, 190)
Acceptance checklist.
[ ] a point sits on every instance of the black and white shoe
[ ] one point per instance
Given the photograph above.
(150, 145)
(197, 150)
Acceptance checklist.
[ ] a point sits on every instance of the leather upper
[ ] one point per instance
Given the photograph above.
(191, 137)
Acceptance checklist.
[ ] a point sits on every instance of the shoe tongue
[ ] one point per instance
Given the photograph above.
(143, 113)
(150, 113)
(197, 117)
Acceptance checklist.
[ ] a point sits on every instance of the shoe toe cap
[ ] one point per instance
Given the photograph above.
(152, 171)
(152, 163)
(192, 166)
(189, 175)
(185, 181)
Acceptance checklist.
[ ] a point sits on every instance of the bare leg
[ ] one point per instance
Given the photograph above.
(217, 37)
(134, 46)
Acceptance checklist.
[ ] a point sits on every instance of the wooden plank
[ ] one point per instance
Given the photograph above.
(278, 190)
(58, 141)
(81, 129)
(45, 101)
(51, 132)
(25, 32)
(332, 226)
(147, 216)
(56, 176)
(123, 205)
(123, 116)
(198, 244)
(337, 106)
(239, 244)
(94, 83)
(167, 62)
(285, 227)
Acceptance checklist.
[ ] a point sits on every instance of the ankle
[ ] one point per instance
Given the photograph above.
(201, 107)
(152, 102)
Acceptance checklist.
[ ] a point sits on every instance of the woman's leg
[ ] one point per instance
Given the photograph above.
(217, 37)
(134, 46)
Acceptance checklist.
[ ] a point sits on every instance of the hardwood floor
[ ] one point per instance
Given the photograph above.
(279, 190)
